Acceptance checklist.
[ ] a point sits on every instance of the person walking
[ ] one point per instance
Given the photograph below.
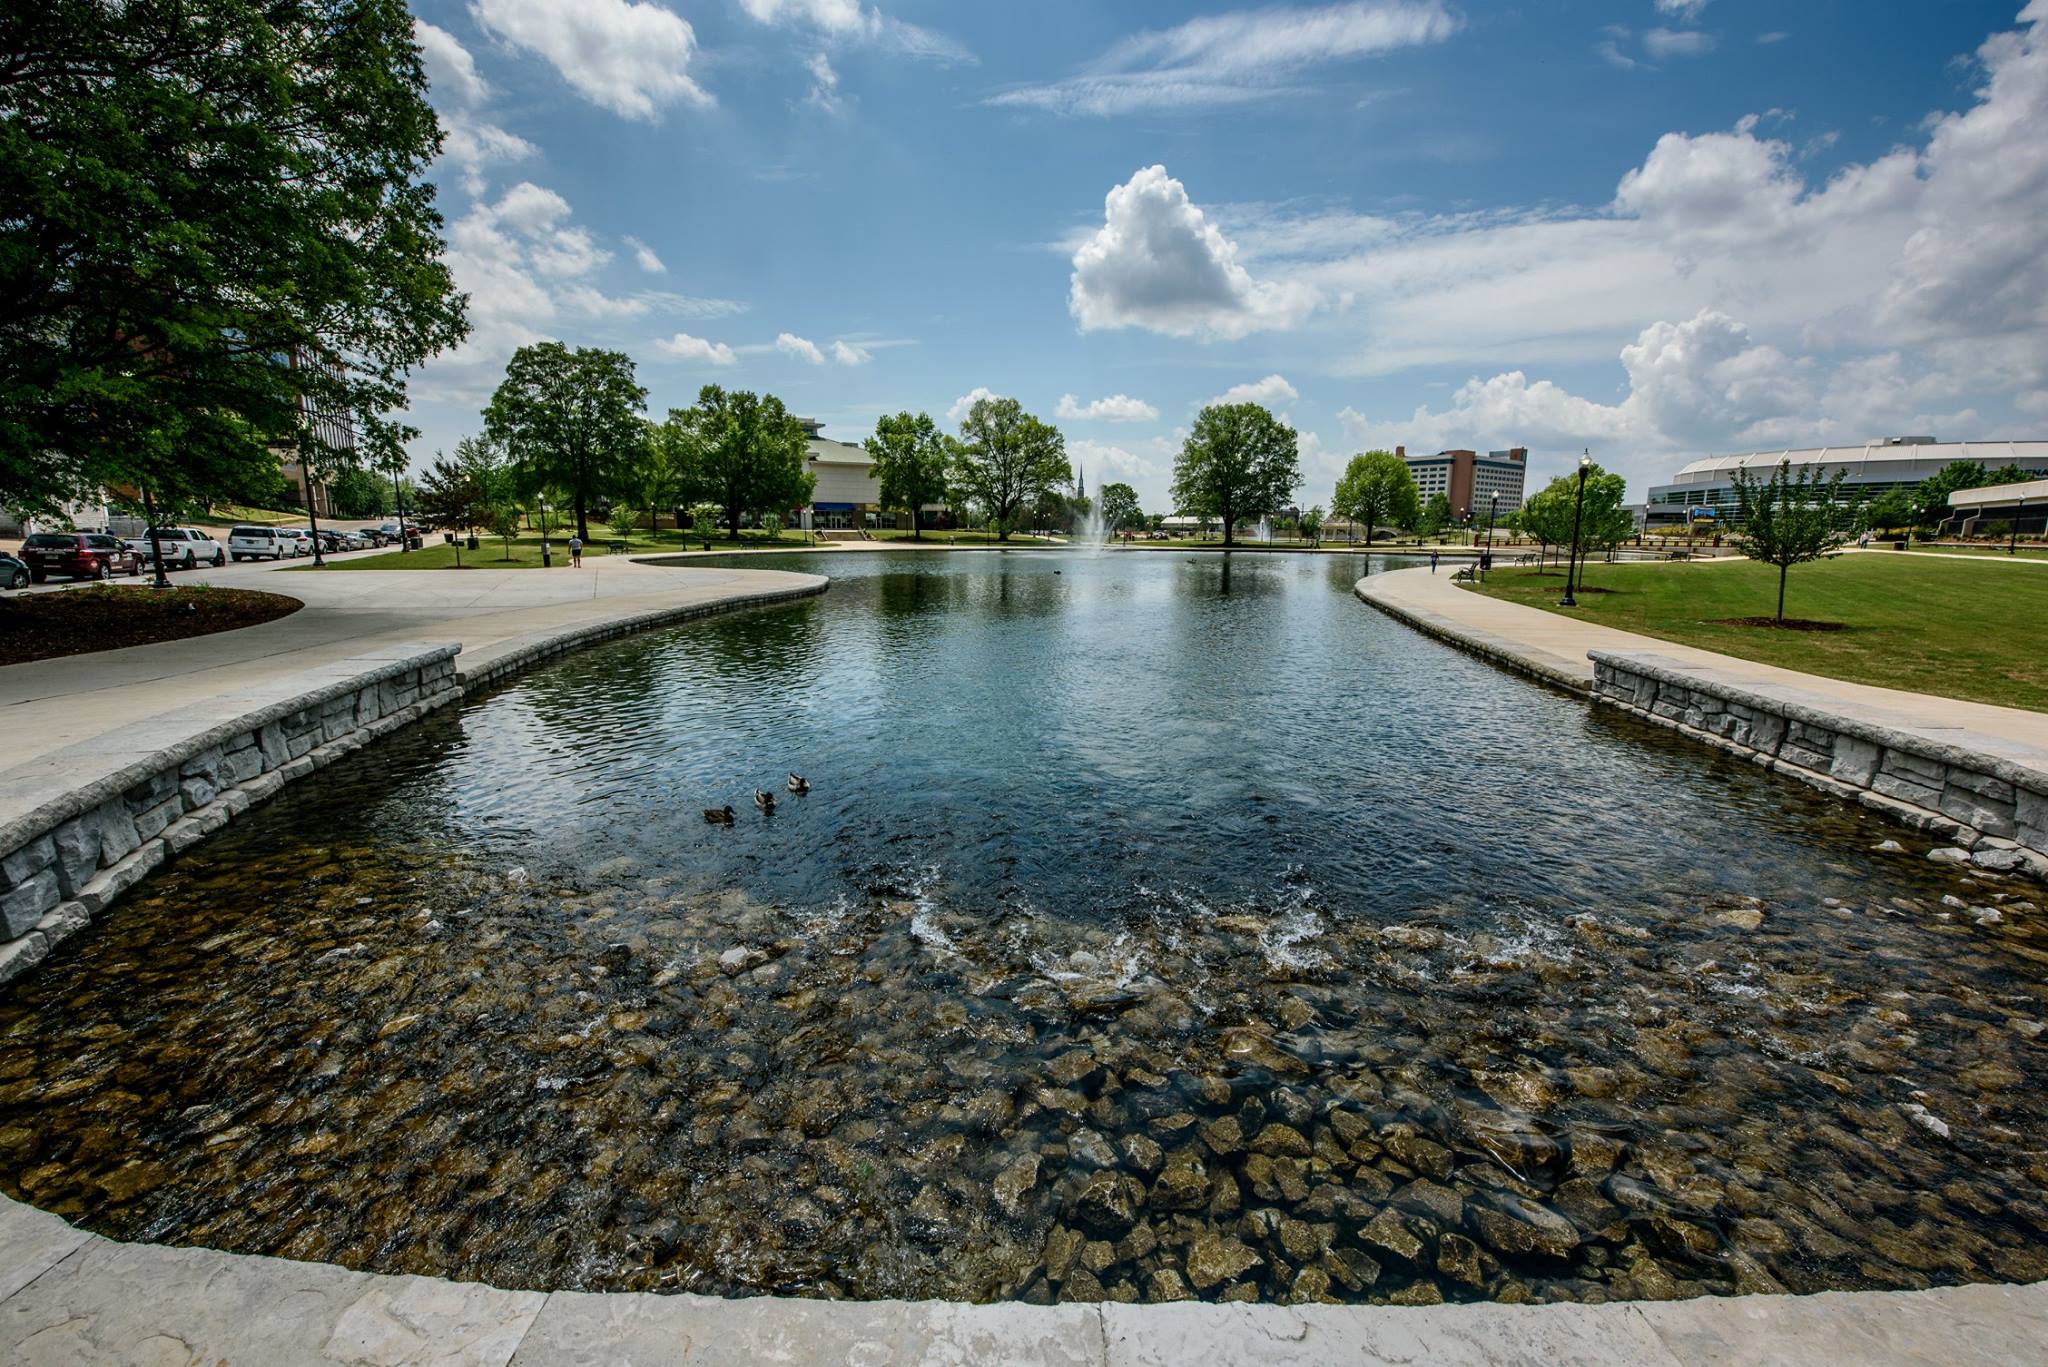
(1432, 562)
(575, 551)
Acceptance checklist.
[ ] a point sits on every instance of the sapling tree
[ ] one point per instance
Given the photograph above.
(1789, 518)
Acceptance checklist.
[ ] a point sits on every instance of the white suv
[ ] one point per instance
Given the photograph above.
(184, 548)
(261, 543)
(302, 539)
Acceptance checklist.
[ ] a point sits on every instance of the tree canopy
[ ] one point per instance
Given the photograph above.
(911, 457)
(1119, 505)
(1435, 515)
(750, 453)
(670, 470)
(217, 222)
(1376, 490)
(1238, 462)
(569, 420)
(1790, 518)
(1007, 460)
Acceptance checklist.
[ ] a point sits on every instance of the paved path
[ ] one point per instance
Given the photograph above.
(68, 1297)
(1553, 646)
(49, 704)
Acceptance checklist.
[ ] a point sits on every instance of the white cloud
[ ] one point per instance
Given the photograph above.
(1775, 36)
(471, 144)
(1114, 408)
(1235, 57)
(850, 21)
(1662, 43)
(1158, 263)
(846, 353)
(623, 55)
(1098, 458)
(958, 412)
(1685, 11)
(824, 93)
(789, 344)
(1269, 391)
(531, 208)
(451, 71)
(687, 348)
(644, 257)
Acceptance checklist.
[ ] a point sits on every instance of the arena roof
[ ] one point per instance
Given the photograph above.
(2025, 454)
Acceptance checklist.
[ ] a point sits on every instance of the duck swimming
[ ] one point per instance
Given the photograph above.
(765, 800)
(719, 816)
(798, 784)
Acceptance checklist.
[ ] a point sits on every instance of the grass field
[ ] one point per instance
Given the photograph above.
(490, 553)
(1947, 627)
(2024, 551)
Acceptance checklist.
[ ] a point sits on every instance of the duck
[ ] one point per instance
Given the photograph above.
(765, 800)
(719, 816)
(798, 784)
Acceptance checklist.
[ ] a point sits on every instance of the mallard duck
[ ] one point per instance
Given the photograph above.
(798, 784)
(764, 799)
(719, 816)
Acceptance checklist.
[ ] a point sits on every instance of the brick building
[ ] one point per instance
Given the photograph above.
(1468, 480)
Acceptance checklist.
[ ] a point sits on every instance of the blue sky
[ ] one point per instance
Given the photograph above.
(1655, 228)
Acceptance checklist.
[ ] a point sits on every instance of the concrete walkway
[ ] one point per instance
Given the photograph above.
(47, 705)
(1554, 647)
(68, 1298)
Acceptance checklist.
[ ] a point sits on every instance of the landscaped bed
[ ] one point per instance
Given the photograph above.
(44, 625)
(1947, 627)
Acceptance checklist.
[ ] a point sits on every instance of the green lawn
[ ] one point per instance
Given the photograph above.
(2023, 551)
(490, 553)
(1947, 627)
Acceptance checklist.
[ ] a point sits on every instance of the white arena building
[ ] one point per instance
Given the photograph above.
(1706, 489)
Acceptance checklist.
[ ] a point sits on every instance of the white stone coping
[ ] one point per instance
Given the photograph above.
(1502, 650)
(69, 1297)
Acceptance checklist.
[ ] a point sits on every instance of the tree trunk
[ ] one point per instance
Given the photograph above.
(916, 527)
(582, 519)
(1783, 570)
(732, 521)
(1368, 531)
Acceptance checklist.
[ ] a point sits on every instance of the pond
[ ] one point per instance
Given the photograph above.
(1156, 925)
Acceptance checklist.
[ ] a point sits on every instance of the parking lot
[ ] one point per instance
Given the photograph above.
(232, 574)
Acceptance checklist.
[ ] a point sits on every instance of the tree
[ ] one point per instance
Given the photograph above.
(1006, 460)
(1435, 515)
(670, 468)
(449, 497)
(1239, 462)
(1312, 525)
(569, 420)
(1547, 513)
(1119, 504)
(910, 456)
(356, 492)
(1375, 490)
(1890, 509)
(1930, 498)
(1789, 519)
(750, 453)
(217, 220)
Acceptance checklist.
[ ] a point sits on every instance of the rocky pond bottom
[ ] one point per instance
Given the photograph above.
(406, 1063)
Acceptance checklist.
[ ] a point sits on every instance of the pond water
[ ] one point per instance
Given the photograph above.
(1157, 925)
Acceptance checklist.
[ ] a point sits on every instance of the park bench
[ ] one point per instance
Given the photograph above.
(1681, 555)
(615, 547)
(1466, 575)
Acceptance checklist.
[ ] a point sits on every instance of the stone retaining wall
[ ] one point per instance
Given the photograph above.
(1988, 797)
(63, 862)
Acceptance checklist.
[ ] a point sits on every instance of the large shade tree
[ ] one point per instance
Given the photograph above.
(1119, 506)
(749, 451)
(1376, 490)
(1239, 462)
(911, 457)
(569, 420)
(670, 469)
(216, 221)
(1007, 461)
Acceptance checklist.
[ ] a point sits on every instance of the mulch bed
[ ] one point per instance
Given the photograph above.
(1789, 624)
(41, 626)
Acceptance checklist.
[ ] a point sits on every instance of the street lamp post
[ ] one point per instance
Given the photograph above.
(547, 558)
(1486, 556)
(398, 494)
(2012, 545)
(1578, 508)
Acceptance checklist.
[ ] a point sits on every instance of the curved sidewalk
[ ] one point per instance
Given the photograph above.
(68, 1297)
(1554, 647)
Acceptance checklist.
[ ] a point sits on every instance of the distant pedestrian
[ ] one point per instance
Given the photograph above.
(1432, 562)
(575, 552)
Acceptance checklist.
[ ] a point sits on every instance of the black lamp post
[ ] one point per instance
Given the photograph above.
(547, 558)
(1486, 556)
(2012, 545)
(1578, 508)
(398, 493)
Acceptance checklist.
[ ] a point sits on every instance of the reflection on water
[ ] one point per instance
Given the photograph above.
(1145, 935)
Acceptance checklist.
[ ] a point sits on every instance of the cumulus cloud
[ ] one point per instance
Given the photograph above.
(470, 141)
(1271, 390)
(803, 349)
(452, 77)
(471, 145)
(644, 257)
(850, 21)
(1102, 459)
(623, 55)
(1114, 408)
(824, 94)
(1685, 11)
(684, 347)
(1235, 57)
(1158, 263)
(846, 353)
(958, 412)
(1662, 43)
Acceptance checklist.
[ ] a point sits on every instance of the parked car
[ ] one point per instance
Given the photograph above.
(14, 574)
(261, 543)
(330, 540)
(356, 541)
(78, 555)
(184, 548)
(302, 539)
